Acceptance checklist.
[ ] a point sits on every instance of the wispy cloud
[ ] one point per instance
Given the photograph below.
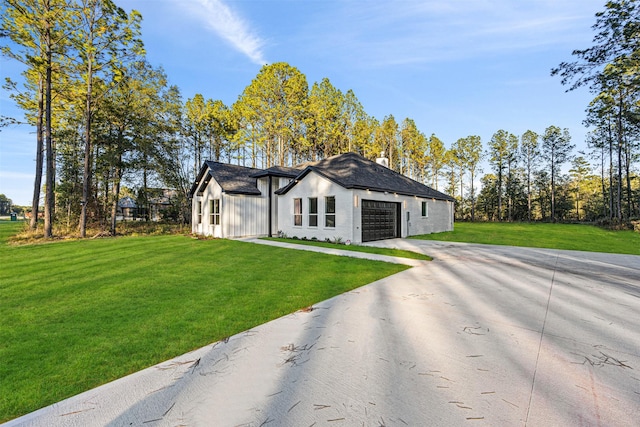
(430, 31)
(229, 25)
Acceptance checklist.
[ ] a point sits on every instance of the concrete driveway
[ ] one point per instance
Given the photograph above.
(481, 336)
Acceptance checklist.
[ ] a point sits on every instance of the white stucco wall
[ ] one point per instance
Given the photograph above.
(314, 185)
(349, 211)
(439, 216)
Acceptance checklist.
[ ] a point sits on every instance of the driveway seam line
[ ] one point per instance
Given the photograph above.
(544, 324)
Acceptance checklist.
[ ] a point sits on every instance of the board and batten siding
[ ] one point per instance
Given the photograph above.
(212, 191)
(240, 215)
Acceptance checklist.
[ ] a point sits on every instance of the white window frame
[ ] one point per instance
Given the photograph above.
(327, 213)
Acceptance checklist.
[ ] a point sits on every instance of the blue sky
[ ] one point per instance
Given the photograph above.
(457, 67)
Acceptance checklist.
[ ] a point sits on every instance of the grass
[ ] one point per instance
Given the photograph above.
(401, 253)
(77, 314)
(543, 235)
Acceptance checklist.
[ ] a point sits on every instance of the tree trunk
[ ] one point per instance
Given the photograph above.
(37, 184)
(86, 186)
(117, 176)
(49, 202)
(627, 163)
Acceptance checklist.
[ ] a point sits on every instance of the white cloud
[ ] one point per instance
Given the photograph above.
(229, 25)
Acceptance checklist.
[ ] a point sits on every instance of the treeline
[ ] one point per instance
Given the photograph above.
(105, 117)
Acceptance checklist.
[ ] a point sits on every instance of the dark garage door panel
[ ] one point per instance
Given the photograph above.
(379, 220)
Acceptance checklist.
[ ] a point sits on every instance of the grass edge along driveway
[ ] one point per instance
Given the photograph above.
(78, 314)
(578, 237)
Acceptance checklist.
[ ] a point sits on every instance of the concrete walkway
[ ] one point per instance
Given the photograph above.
(481, 336)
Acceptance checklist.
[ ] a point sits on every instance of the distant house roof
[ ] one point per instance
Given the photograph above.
(353, 171)
(127, 202)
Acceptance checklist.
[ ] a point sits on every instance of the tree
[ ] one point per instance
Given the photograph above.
(436, 159)
(458, 161)
(105, 36)
(386, 140)
(617, 40)
(557, 150)
(325, 124)
(580, 169)
(470, 150)
(501, 149)
(37, 27)
(413, 149)
(272, 108)
(511, 160)
(610, 68)
(530, 156)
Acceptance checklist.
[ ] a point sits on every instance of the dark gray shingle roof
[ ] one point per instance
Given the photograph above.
(349, 170)
(233, 179)
(353, 171)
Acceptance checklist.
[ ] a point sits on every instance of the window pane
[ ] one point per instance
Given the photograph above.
(330, 221)
(313, 205)
(330, 204)
(297, 211)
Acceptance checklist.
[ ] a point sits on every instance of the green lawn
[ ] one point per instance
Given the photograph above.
(543, 235)
(357, 248)
(77, 314)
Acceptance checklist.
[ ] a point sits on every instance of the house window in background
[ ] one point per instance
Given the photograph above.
(199, 212)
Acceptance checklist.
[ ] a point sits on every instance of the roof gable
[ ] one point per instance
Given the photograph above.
(233, 179)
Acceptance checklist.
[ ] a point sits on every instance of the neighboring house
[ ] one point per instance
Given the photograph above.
(127, 209)
(159, 201)
(344, 197)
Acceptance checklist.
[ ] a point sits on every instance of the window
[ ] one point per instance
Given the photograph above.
(425, 209)
(199, 212)
(214, 212)
(330, 211)
(297, 212)
(313, 211)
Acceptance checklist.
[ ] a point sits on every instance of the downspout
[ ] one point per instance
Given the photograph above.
(270, 209)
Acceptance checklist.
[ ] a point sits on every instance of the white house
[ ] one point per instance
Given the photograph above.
(344, 197)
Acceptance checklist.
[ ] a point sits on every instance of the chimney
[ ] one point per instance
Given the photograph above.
(382, 160)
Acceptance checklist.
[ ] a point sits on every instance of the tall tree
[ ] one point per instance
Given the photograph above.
(105, 36)
(530, 156)
(580, 170)
(611, 69)
(272, 107)
(413, 144)
(436, 152)
(470, 149)
(499, 152)
(37, 29)
(386, 140)
(511, 162)
(325, 120)
(557, 150)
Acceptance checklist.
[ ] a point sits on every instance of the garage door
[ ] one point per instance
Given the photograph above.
(380, 220)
